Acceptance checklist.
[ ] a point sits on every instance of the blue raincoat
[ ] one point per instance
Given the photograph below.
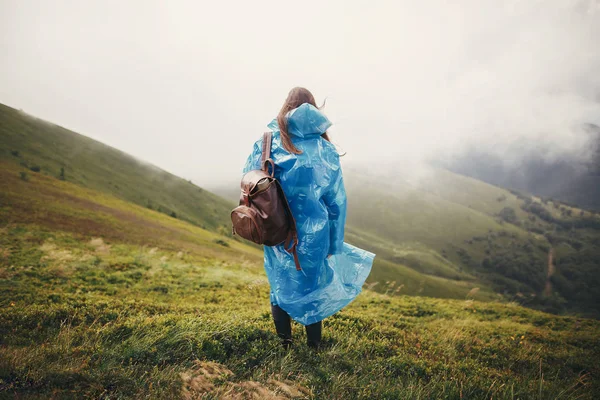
(313, 184)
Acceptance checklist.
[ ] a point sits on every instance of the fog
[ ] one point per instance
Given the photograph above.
(189, 86)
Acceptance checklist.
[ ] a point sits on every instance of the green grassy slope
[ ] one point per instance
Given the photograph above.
(63, 206)
(32, 142)
(443, 224)
(102, 298)
(422, 225)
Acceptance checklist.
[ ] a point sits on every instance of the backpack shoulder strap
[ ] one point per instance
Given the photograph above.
(291, 242)
(266, 153)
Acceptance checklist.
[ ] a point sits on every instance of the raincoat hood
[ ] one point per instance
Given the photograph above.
(305, 121)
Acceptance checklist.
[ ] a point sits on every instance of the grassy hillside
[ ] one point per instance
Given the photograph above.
(435, 233)
(48, 148)
(102, 298)
(440, 234)
(447, 225)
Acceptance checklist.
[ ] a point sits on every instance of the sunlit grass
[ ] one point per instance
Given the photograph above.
(115, 319)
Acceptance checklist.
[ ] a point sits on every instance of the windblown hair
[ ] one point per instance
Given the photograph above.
(295, 99)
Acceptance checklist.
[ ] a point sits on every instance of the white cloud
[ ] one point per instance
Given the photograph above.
(190, 85)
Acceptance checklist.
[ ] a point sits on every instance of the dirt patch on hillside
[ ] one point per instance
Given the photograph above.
(550, 272)
(209, 378)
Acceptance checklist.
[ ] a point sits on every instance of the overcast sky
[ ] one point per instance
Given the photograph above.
(190, 85)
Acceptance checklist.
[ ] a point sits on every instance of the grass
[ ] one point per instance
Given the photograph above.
(436, 221)
(34, 143)
(63, 206)
(119, 320)
(394, 279)
(103, 298)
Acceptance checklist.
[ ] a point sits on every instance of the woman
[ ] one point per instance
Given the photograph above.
(308, 168)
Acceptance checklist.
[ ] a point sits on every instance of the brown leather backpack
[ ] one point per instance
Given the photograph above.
(264, 215)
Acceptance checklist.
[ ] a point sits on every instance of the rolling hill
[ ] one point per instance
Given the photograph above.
(102, 296)
(452, 226)
(48, 148)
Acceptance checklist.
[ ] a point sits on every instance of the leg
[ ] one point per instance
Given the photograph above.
(283, 325)
(313, 334)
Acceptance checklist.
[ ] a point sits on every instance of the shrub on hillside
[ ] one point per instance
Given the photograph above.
(539, 210)
(221, 242)
(35, 168)
(520, 266)
(535, 229)
(166, 211)
(508, 214)
(577, 279)
(524, 197)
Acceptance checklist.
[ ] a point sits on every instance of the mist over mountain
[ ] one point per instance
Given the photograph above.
(572, 177)
(403, 80)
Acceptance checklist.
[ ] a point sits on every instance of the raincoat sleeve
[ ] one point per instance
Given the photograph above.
(253, 161)
(335, 201)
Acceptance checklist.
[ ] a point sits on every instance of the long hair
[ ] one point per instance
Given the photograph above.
(295, 99)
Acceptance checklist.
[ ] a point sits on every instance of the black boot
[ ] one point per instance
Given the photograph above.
(283, 325)
(313, 335)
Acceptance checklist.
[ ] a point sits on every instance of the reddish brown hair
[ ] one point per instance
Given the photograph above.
(295, 99)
